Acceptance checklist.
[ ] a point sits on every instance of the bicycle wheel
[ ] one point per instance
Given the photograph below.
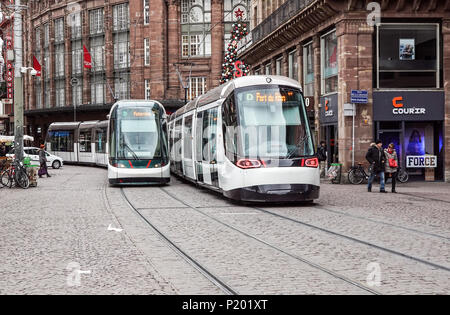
(355, 176)
(5, 179)
(22, 179)
(403, 176)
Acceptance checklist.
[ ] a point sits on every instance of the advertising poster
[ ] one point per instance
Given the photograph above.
(407, 49)
(415, 141)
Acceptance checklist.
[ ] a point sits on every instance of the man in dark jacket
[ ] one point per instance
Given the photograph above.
(3, 150)
(322, 156)
(376, 158)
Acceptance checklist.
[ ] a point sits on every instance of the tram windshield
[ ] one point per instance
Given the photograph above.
(267, 123)
(138, 134)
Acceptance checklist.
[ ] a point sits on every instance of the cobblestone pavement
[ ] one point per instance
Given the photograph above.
(341, 245)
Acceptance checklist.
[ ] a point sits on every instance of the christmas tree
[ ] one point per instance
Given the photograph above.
(231, 67)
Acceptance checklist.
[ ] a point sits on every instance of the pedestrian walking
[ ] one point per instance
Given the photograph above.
(391, 164)
(3, 150)
(43, 162)
(322, 156)
(376, 158)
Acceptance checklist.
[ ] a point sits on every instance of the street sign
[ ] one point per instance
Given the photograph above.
(360, 97)
(349, 110)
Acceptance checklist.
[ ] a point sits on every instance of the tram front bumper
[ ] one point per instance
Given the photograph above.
(275, 193)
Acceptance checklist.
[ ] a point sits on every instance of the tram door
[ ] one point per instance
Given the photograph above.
(188, 160)
(206, 146)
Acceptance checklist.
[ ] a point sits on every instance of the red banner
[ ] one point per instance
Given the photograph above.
(9, 72)
(87, 58)
(37, 66)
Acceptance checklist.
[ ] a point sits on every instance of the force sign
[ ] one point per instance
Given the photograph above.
(424, 161)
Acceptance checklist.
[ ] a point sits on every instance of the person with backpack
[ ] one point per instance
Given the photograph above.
(375, 156)
(391, 164)
(322, 156)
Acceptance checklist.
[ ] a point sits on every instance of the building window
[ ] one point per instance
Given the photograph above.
(121, 17)
(147, 89)
(59, 60)
(195, 29)
(258, 71)
(77, 57)
(47, 94)
(46, 35)
(59, 87)
(329, 63)
(59, 30)
(121, 51)
(147, 51)
(197, 87)
(408, 56)
(293, 65)
(96, 21)
(146, 12)
(77, 92)
(122, 86)
(38, 93)
(97, 48)
(278, 66)
(268, 69)
(97, 90)
(75, 22)
(308, 70)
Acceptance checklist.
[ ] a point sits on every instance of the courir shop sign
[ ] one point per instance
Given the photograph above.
(408, 106)
(424, 161)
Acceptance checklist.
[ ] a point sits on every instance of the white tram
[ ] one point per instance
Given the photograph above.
(137, 142)
(249, 139)
(79, 142)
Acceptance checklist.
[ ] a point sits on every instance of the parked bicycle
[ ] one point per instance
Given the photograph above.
(357, 175)
(15, 174)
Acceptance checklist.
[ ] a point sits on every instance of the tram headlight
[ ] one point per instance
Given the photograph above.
(249, 163)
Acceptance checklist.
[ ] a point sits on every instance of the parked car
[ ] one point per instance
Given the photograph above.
(33, 153)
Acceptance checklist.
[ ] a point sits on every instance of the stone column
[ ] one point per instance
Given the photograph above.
(85, 42)
(108, 56)
(174, 88)
(217, 42)
(446, 63)
(317, 87)
(285, 64)
(355, 60)
(299, 48)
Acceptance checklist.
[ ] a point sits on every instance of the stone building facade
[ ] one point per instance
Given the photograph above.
(165, 50)
(397, 51)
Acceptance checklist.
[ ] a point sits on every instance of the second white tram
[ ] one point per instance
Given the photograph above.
(137, 142)
(250, 139)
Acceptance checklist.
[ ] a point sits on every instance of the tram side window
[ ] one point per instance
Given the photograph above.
(199, 134)
(210, 135)
(187, 143)
(61, 141)
(230, 123)
(85, 141)
(177, 137)
(101, 141)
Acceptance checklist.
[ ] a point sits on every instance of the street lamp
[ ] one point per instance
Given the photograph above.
(24, 70)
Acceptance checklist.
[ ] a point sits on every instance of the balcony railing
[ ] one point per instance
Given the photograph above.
(286, 11)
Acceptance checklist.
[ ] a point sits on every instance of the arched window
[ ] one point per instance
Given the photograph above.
(195, 28)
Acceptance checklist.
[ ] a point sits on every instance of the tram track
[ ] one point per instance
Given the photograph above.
(188, 258)
(296, 257)
(390, 251)
(381, 222)
(426, 198)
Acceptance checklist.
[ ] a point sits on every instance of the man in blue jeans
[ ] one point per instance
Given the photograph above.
(375, 156)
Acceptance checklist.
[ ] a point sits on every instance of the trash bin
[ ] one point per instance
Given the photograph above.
(335, 173)
(32, 171)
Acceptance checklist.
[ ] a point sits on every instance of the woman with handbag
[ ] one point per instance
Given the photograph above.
(43, 162)
(391, 164)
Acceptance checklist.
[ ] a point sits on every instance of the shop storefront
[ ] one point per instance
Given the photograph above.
(413, 121)
(329, 125)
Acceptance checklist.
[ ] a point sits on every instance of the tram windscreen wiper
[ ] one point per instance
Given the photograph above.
(126, 145)
(292, 151)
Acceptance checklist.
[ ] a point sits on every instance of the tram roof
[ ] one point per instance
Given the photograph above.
(222, 91)
(64, 125)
